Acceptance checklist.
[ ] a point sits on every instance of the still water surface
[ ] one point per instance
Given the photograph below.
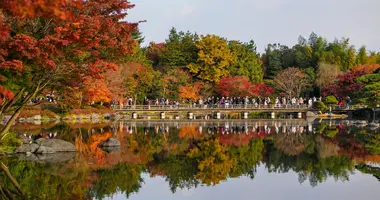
(292, 159)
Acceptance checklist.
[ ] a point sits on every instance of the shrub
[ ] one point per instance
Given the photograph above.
(10, 142)
(331, 132)
(31, 112)
(48, 114)
(319, 105)
(331, 100)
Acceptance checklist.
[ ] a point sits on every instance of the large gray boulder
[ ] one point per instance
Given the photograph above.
(25, 138)
(44, 150)
(47, 158)
(27, 148)
(110, 142)
(56, 145)
(111, 149)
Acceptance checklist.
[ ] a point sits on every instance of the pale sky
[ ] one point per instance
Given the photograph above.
(264, 21)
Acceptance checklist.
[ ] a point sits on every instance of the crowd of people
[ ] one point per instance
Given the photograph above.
(235, 102)
(228, 102)
(49, 98)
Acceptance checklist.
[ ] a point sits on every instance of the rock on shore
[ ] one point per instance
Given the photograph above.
(43, 146)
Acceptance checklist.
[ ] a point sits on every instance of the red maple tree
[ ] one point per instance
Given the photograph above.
(346, 84)
(239, 86)
(62, 41)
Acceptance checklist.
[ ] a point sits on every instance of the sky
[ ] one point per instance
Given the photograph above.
(264, 21)
(265, 186)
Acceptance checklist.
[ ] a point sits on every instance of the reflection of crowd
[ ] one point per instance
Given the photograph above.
(230, 128)
(51, 135)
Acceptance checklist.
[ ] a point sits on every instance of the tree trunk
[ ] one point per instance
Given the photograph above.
(18, 110)
(11, 178)
(374, 115)
(11, 121)
(6, 107)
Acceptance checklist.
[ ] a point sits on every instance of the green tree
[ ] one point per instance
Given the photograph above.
(214, 59)
(362, 57)
(370, 93)
(247, 157)
(138, 36)
(330, 100)
(180, 50)
(303, 54)
(247, 61)
(272, 60)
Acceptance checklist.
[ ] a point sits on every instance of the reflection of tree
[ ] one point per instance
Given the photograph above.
(179, 171)
(120, 178)
(326, 148)
(235, 139)
(187, 158)
(308, 164)
(371, 141)
(375, 171)
(90, 150)
(291, 144)
(191, 132)
(247, 157)
(47, 181)
(213, 160)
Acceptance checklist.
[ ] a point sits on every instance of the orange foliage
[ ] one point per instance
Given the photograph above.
(367, 69)
(190, 132)
(235, 139)
(39, 8)
(190, 92)
(97, 91)
(90, 148)
(367, 158)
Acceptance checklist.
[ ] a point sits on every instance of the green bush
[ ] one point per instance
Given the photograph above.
(331, 132)
(331, 101)
(86, 107)
(10, 142)
(319, 105)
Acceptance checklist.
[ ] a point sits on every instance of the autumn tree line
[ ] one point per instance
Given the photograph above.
(188, 67)
(87, 52)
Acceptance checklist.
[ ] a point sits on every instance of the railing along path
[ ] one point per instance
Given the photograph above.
(219, 107)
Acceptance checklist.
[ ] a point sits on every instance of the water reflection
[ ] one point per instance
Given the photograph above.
(190, 154)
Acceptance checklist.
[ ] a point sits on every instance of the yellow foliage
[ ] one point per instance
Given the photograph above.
(214, 58)
(214, 164)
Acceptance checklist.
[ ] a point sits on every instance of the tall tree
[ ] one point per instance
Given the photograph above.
(362, 57)
(326, 74)
(180, 50)
(138, 36)
(291, 81)
(214, 59)
(370, 93)
(239, 86)
(43, 49)
(272, 60)
(247, 61)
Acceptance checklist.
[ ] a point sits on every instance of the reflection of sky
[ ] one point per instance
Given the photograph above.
(264, 186)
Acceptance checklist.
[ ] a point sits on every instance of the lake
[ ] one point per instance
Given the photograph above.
(253, 159)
